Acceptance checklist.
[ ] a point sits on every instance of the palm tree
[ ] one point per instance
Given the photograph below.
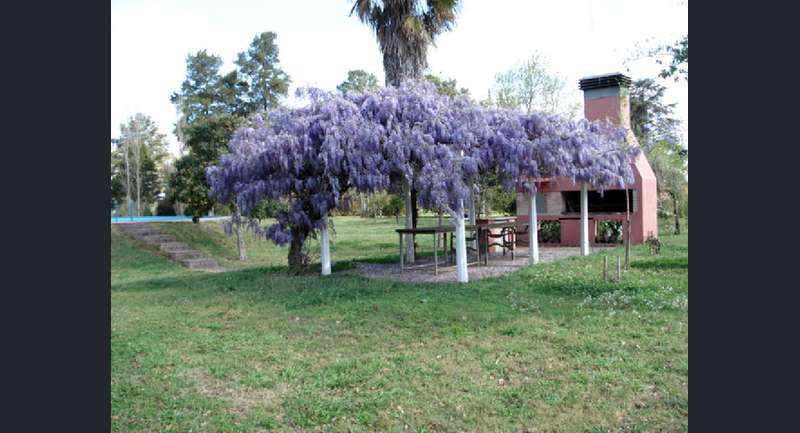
(404, 29)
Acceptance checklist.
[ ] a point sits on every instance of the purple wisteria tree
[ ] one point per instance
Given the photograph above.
(438, 144)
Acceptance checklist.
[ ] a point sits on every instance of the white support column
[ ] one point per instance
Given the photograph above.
(461, 244)
(326, 249)
(584, 220)
(409, 224)
(533, 228)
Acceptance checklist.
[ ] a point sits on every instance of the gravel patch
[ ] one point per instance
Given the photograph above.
(422, 270)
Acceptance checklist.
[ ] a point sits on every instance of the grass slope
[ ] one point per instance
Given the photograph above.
(548, 348)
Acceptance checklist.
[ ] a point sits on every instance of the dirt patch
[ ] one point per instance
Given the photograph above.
(242, 399)
(422, 271)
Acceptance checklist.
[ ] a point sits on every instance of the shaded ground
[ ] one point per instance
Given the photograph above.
(423, 270)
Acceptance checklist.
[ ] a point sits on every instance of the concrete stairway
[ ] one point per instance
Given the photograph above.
(177, 251)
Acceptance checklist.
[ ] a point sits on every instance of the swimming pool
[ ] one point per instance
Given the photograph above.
(143, 219)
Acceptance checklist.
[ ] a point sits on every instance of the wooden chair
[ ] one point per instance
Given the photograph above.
(506, 241)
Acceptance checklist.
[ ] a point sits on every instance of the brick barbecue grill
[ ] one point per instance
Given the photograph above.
(558, 199)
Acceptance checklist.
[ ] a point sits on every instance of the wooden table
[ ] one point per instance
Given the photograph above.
(436, 231)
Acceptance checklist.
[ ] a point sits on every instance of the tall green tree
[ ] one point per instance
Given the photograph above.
(657, 130)
(679, 61)
(447, 87)
(670, 163)
(199, 93)
(652, 119)
(259, 66)
(210, 105)
(207, 140)
(213, 105)
(136, 157)
(531, 85)
(358, 80)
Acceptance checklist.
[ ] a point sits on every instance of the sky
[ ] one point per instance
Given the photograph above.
(319, 42)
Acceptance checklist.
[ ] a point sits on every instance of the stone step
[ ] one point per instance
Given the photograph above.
(203, 263)
(185, 255)
(177, 251)
(158, 239)
(174, 246)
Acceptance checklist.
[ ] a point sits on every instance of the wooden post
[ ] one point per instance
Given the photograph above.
(584, 220)
(605, 268)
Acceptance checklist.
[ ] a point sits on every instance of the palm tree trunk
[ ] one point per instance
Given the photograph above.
(400, 62)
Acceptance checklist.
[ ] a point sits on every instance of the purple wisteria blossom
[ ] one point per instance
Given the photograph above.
(441, 145)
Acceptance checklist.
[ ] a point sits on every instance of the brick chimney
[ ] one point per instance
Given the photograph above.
(607, 97)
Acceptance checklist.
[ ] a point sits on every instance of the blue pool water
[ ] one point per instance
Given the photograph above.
(149, 219)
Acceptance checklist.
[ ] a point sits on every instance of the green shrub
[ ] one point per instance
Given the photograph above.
(609, 232)
(550, 232)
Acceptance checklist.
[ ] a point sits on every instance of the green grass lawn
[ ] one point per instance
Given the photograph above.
(547, 348)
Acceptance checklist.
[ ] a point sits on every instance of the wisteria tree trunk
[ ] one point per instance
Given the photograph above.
(364, 205)
(239, 235)
(298, 260)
